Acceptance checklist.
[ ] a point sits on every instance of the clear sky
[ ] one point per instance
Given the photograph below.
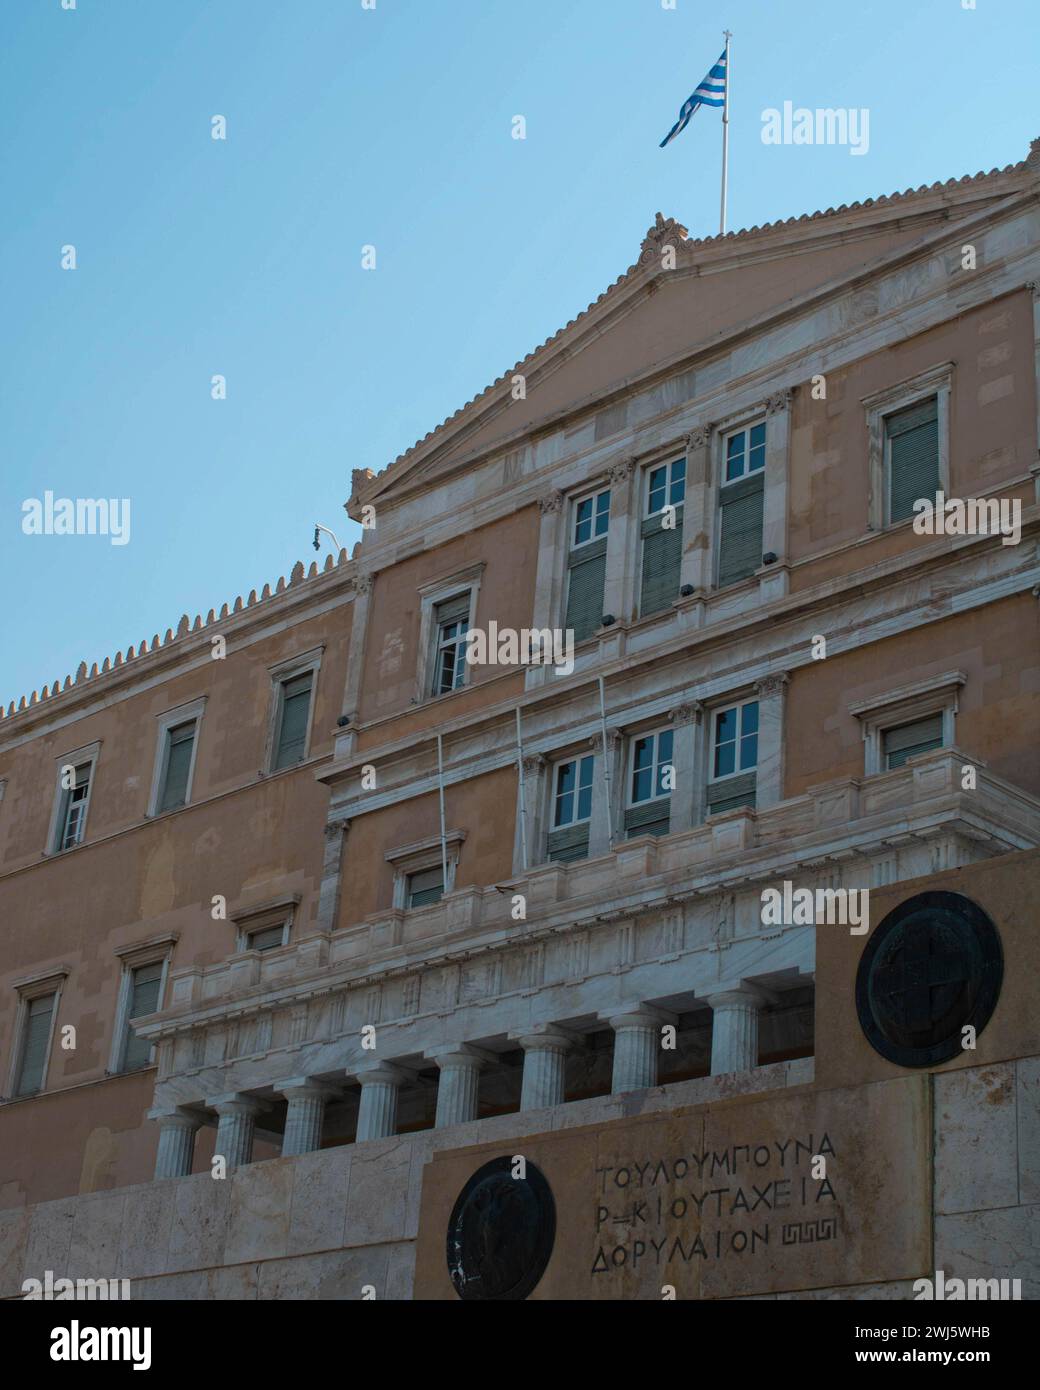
(388, 127)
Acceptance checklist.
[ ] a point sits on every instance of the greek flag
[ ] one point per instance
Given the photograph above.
(711, 92)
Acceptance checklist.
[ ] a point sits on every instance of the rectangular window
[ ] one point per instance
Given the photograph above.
(572, 809)
(651, 780)
(451, 626)
(741, 494)
(72, 815)
(734, 758)
(912, 450)
(265, 938)
(180, 743)
(145, 984)
(587, 564)
(662, 536)
(426, 886)
(36, 1037)
(907, 740)
(294, 700)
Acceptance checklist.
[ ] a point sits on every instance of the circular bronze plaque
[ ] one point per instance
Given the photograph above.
(932, 967)
(501, 1232)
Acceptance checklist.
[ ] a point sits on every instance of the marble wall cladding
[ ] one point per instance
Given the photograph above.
(331, 1224)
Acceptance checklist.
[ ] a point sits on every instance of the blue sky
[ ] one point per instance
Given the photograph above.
(389, 127)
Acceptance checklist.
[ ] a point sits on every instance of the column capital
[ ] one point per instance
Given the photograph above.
(175, 1117)
(307, 1087)
(687, 713)
(772, 684)
(642, 1017)
(236, 1103)
(546, 1039)
(378, 1073)
(779, 400)
(534, 762)
(622, 471)
(550, 501)
(736, 996)
(699, 437)
(459, 1055)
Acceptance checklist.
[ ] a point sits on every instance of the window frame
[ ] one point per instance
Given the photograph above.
(28, 990)
(281, 674)
(905, 705)
(90, 753)
(936, 381)
(170, 720)
(280, 912)
(417, 858)
(743, 423)
(716, 712)
(655, 733)
(154, 951)
(430, 595)
(603, 489)
(458, 643)
(557, 767)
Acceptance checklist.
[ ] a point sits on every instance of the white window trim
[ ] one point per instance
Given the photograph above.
(667, 461)
(757, 417)
(430, 595)
(938, 382)
(183, 714)
(272, 913)
(711, 723)
(150, 952)
(286, 671)
(89, 753)
(53, 982)
(554, 770)
(654, 733)
(905, 705)
(574, 502)
(416, 858)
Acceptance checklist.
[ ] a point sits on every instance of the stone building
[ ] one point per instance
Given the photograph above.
(300, 888)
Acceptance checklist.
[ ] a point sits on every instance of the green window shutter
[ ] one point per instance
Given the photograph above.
(266, 939)
(588, 567)
(178, 765)
(34, 1050)
(453, 610)
(913, 457)
(566, 845)
(651, 818)
(292, 736)
(731, 793)
(740, 523)
(910, 739)
(662, 557)
(424, 887)
(144, 999)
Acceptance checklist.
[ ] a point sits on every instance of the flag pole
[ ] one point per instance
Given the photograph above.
(725, 141)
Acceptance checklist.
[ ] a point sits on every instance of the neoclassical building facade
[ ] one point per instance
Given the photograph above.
(306, 910)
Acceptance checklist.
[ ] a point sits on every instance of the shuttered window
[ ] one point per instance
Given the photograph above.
(426, 886)
(587, 570)
(451, 626)
(740, 528)
(662, 536)
(734, 758)
(912, 436)
(39, 1014)
(908, 740)
(180, 742)
(292, 724)
(265, 938)
(568, 844)
(145, 983)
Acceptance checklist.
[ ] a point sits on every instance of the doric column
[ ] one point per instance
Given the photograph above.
(619, 574)
(637, 1038)
(687, 802)
(331, 873)
(607, 815)
(237, 1121)
(177, 1130)
(695, 567)
(303, 1118)
(769, 774)
(377, 1114)
(773, 583)
(458, 1088)
(545, 1060)
(734, 1029)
